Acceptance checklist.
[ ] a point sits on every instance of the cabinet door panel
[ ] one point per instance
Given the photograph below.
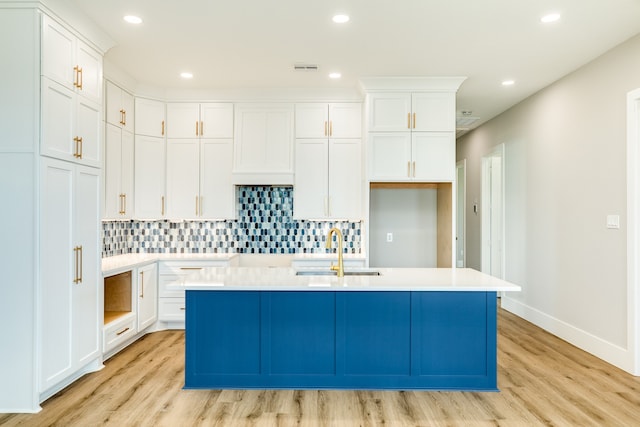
(434, 111)
(58, 53)
(389, 156)
(112, 175)
(113, 104)
(128, 106)
(90, 62)
(312, 120)
(345, 178)
(389, 112)
(311, 179)
(126, 171)
(434, 154)
(150, 117)
(57, 270)
(86, 327)
(216, 187)
(182, 178)
(88, 127)
(183, 120)
(217, 120)
(345, 120)
(149, 177)
(58, 125)
(147, 296)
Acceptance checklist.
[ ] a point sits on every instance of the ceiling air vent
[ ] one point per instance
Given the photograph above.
(305, 67)
(466, 121)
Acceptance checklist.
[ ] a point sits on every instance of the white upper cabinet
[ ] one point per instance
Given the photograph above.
(70, 62)
(397, 112)
(263, 152)
(120, 107)
(411, 136)
(209, 120)
(118, 173)
(150, 117)
(336, 120)
(328, 161)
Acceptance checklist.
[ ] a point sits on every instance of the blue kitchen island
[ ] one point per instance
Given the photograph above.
(271, 329)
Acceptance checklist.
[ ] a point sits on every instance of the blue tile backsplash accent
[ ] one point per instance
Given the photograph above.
(265, 225)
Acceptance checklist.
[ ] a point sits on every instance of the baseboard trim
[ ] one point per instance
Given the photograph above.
(610, 353)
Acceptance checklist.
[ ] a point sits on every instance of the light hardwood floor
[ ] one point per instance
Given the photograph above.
(543, 381)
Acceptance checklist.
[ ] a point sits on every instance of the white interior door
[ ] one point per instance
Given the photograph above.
(492, 213)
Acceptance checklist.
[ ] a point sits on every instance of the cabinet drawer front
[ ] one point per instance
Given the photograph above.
(165, 280)
(172, 309)
(119, 332)
(183, 268)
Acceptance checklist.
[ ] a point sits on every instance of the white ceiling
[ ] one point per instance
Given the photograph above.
(243, 44)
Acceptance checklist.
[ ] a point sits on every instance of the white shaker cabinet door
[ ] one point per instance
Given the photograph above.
(150, 117)
(216, 120)
(389, 112)
(89, 77)
(434, 156)
(183, 193)
(434, 111)
(58, 120)
(312, 120)
(149, 177)
(58, 53)
(311, 180)
(89, 133)
(345, 179)
(86, 300)
(217, 193)
(345, 120)
(183, 120)
(390, 156)
(147, 296)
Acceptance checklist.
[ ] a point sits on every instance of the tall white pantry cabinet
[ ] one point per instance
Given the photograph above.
(50, 159)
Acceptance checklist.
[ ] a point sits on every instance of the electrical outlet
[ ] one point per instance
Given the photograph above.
(389, 237)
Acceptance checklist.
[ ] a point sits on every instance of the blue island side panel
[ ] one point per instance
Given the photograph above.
(333, 340)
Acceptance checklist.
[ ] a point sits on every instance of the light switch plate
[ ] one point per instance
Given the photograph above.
(613, 221)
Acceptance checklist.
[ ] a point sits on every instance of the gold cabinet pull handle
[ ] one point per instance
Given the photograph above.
(124, 208)
(142, 284)
(201, 128)
(326, 127)
(197, 201)
(122, 117)
(75, 76)
(409, 169)
(122, 331)
(190, 268)
(408, 120)
(79, 147)
(330, 127)
(75, 255)
(81, 262)
(75, 147)
(196, 128)
(414, 120)
(414, 169)
(162, 208)
(79, 78)
(163, 128)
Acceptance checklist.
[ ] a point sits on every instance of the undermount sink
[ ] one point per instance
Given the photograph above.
(333, 273)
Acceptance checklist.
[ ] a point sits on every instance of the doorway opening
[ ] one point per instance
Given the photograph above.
(492, 213)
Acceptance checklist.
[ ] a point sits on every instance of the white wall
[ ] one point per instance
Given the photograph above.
(565, 166)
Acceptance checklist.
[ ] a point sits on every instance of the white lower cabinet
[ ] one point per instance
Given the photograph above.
(70, 274)
(118, 332)
(171, 302)
(147, 296)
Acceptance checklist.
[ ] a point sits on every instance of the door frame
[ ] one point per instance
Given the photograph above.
(486, 208)
(633, 231)
(461, 207)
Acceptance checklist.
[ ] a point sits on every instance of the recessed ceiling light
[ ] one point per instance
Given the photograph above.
(335, 75)
(340, 19)
(508, 83)
(186, 75)
(131, 19)
(552, 17)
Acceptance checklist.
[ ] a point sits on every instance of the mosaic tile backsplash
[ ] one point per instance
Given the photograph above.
(265, 225)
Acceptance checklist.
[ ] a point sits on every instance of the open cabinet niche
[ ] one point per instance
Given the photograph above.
(410, 225)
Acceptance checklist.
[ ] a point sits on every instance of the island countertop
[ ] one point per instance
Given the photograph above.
(390, 279)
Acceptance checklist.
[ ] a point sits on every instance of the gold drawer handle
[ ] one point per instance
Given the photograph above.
(122, 331)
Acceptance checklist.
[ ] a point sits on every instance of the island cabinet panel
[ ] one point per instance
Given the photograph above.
(341, 339)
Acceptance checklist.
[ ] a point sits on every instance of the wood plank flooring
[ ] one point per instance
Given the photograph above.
(543, 381)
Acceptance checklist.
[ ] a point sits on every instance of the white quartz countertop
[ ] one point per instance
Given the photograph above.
(120, 263)
(390, 279)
